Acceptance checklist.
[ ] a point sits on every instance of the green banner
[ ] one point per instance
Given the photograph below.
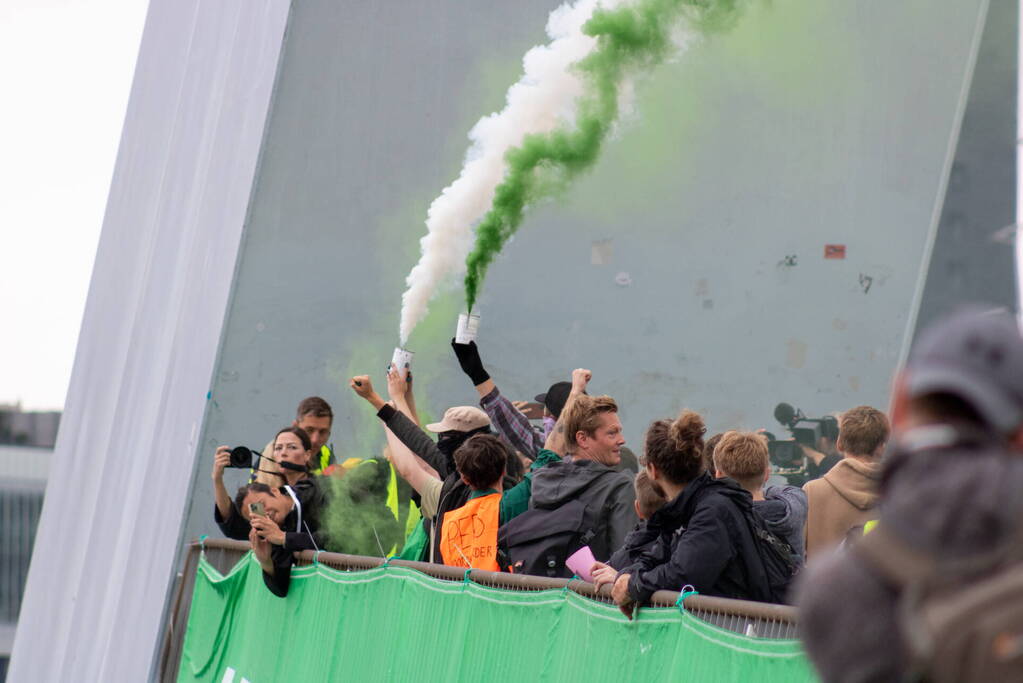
(397, 624)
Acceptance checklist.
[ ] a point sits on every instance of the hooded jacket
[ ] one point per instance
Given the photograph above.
(840, 501)
(704, 541)
(607, 494)
(783, 510)
(312, 496)
(636, 543)
(953, 497)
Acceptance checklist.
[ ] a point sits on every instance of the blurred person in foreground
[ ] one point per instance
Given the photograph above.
(949, 493)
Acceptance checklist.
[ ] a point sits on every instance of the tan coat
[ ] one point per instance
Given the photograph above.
(841, 500)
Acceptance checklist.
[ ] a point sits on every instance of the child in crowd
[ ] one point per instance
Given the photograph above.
(649, 499)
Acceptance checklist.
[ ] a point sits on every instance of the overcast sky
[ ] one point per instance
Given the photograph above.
(66, 69)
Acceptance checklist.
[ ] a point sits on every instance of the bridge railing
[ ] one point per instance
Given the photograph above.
(755, 619)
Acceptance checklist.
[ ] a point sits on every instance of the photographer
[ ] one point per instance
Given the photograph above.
(291, 450)
(315, 417)
(809, 454)
(821, 459)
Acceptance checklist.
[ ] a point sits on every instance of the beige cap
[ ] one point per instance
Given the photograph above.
(460, 419)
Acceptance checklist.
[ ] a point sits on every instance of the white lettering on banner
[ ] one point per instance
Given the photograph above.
(229, 677)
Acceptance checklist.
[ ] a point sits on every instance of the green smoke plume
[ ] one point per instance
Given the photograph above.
(630, 40)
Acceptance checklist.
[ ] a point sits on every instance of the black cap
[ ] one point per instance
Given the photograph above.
(555, 397)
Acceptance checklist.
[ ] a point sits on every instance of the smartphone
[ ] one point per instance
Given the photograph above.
(257, 509)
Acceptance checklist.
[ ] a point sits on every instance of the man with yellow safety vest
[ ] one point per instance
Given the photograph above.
(315, 417)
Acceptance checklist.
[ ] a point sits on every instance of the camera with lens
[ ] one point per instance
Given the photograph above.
(787, 456)
(244, 457)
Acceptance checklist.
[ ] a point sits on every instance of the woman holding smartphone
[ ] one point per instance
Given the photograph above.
(291, 451)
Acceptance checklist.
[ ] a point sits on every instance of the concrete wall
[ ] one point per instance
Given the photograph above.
(807, 125)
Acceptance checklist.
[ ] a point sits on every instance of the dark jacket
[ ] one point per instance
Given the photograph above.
(784, 513)
(234, 525)
(607, 494)
(515, 500)
(636, 543)
(307, 535)
(454, 492)
(705, 541)
(416, 440)
(948, 492)
(237, 527)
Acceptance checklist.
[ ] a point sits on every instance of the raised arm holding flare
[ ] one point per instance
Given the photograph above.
(509, 423)
(398, 419)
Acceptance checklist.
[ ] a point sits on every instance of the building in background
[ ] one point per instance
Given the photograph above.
(23, 473)
(28, 428)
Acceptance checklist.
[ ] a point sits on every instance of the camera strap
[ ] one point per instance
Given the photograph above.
(298, 507)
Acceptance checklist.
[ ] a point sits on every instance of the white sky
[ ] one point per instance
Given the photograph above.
(66, 70)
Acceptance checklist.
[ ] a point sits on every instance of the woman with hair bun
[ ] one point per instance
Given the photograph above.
(704, 536)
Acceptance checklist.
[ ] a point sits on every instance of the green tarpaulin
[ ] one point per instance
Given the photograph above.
(396, 624)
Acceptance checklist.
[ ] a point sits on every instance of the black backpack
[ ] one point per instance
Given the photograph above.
(780, 562)
(538, 541)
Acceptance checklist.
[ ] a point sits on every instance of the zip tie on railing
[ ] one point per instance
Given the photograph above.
(386, 563)
(202, 543)
(575, 577)
(316, 557)
(465, 578)
(686, 591)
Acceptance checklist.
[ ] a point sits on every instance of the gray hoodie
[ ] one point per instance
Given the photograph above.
(784, 512)
(603, 490)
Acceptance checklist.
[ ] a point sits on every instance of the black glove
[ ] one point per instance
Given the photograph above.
(469, 358)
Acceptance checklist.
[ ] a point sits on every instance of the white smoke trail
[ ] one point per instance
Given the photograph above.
(540, 101)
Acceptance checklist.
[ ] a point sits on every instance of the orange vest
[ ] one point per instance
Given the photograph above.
(470, 533)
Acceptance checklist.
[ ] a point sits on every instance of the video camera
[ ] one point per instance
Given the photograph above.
(787, 455)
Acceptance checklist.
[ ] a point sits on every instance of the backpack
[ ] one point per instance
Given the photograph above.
(781, 564)
(538, 541)
(960, 620)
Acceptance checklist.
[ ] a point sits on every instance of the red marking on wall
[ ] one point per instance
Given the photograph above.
(834, 251)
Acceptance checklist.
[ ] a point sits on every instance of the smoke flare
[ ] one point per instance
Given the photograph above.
(543, 99)
(630, 39)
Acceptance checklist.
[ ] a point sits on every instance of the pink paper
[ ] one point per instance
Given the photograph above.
(580, 562)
